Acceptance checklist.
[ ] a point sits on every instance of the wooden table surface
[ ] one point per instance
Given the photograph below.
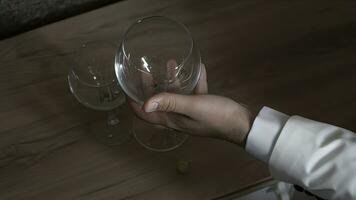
(298, 57)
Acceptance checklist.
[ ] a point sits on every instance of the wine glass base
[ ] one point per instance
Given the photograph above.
(156, 137)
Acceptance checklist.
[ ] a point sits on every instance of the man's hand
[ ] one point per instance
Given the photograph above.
(200, 114)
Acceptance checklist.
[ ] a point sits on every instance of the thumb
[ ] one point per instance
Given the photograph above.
(168, 102)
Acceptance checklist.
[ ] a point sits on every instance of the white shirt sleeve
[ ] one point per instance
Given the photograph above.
(317, 156)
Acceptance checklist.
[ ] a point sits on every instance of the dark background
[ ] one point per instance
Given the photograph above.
(17, 16)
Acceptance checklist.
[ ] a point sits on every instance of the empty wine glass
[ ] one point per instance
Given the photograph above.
(92, 81)
(157, 54)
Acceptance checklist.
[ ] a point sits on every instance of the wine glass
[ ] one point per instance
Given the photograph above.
(92, 81)
(157, 54)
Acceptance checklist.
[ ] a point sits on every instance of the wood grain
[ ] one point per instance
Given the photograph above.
(295, 56)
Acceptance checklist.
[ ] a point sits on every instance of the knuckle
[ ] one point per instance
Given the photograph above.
(170, 104)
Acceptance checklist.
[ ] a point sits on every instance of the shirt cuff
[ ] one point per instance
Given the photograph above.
(264, 133)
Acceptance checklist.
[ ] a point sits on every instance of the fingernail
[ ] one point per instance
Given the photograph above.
(152, 107)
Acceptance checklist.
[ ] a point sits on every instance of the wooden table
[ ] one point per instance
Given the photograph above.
(296, 56)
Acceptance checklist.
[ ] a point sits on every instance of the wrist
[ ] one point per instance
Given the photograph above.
(243, 119)
(251, 115)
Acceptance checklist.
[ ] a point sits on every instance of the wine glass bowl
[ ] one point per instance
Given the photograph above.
(92, 81)
(157, 54)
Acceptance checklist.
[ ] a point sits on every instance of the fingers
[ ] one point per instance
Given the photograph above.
(168, 102)
(155, 118)
(202, 86)
(173, 110)
(147, 84)
(173, 71)
(182, 104)
(171, 120)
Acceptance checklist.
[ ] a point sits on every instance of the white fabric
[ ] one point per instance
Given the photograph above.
(264, 132)
(317, 156)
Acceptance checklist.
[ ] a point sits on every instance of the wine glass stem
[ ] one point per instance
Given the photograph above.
(112, 119)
